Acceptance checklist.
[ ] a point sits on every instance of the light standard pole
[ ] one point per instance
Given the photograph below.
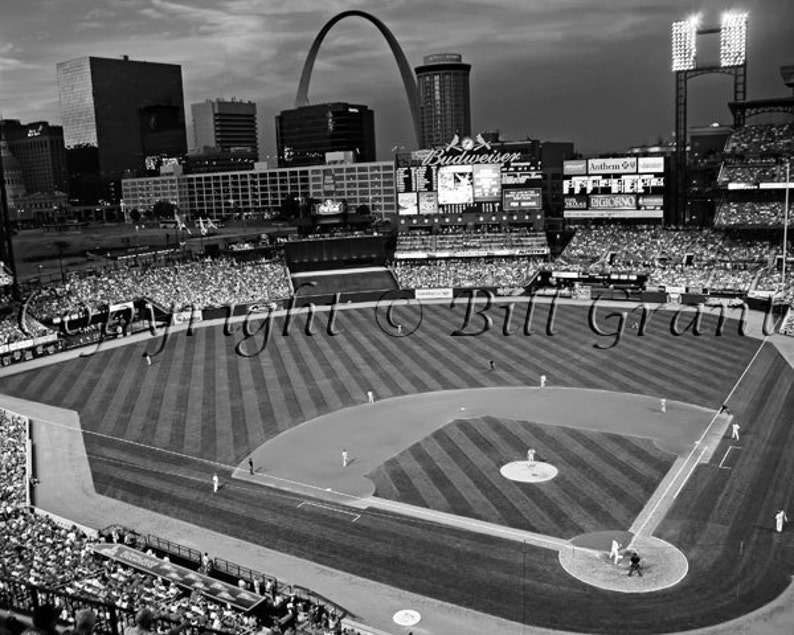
(785, 227)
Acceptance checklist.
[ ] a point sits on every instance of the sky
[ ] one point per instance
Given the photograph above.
(593, 72)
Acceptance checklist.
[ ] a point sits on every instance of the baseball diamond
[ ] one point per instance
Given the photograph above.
(442, 426)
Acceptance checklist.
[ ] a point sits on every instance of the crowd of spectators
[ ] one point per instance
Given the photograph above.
(466, 272)
(202, 284)
(670, 257)
(10, 330)
(759, 213)
(752, 173)
(36, 550)
(534, 242)
(761, 139)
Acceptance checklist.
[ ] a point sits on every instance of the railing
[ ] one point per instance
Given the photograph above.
(23, 598)
(166, 546)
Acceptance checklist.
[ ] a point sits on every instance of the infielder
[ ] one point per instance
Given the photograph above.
(614, 552)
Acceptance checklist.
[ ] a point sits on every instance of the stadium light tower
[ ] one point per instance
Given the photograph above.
(733, 61)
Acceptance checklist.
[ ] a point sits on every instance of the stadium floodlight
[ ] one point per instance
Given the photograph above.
(684, 48)
(733, 39)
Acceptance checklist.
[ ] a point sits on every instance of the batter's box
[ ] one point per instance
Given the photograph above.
(729, 458)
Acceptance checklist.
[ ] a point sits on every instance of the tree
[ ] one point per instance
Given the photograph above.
(135, 215)
(289, 207)
(163, 209)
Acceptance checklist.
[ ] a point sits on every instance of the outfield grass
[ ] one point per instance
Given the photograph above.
(200, 399)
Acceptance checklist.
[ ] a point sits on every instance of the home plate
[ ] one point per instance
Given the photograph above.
(407, 617)
(526, 472)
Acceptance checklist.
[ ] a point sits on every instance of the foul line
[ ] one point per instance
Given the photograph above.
(333, 509)
(663, 497)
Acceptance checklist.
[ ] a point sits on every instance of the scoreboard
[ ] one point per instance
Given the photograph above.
(479, 187)
(625, 187)
(416, 179)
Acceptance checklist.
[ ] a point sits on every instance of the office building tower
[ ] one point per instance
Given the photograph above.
(12, 174)
(120, 117)
(304, 135)
(444, 106)
(40, 150)
(229, 126)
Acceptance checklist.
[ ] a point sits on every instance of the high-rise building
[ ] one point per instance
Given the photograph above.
(304, 135)
(444, 106)
(12, 174)
(39, 148)
(229, 126)
(120, 117)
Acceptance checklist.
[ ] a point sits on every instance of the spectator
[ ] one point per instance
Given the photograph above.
(145, 621)
(84, 623)
(45, 621)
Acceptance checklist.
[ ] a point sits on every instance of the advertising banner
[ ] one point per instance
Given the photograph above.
(187, 578)
(454, 185)
(622, 165)
(579, 166)
(605, 213)
(487, 180)
(613, 201)
(575, 202)
(428, 202)
(407, 203)
(651, 201)
(651, 165)
(433, 294)
(520, 200)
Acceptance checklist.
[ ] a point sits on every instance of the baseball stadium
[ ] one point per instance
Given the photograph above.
(432, 424)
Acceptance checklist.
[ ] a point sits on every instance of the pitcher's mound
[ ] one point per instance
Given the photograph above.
(527, 472)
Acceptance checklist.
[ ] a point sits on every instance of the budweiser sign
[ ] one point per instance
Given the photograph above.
(466, 157)
(468, 151)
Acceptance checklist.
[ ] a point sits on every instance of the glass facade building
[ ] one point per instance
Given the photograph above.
(304, 135)
(227, 194)
(39, 148)
(119, 117)
(444, 103)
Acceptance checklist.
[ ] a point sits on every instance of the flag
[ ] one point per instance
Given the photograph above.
(202, 227)
(210, 224)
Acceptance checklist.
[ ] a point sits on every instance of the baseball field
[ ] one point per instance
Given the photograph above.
(156, 433)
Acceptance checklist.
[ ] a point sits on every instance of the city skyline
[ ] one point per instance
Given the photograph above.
(598, 76)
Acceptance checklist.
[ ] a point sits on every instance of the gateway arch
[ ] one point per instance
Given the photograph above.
(302, 99)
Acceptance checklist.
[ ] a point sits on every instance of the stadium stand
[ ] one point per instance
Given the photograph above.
(761, 139)
(750, 213)
(752, 175)
(44, 561)
(466, 272)
(203, 284)
(525, 242)
(671, 257)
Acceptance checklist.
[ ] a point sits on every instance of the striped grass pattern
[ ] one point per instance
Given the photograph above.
(603, 482)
